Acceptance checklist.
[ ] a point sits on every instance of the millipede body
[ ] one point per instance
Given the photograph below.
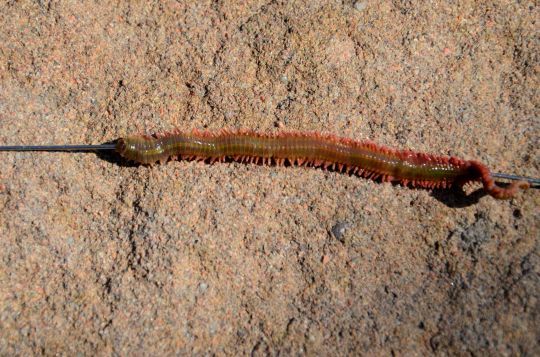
(362, 158)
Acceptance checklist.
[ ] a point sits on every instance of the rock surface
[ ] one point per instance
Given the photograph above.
(101, 257)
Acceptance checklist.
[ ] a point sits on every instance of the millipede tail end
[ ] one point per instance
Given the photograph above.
(491, 187)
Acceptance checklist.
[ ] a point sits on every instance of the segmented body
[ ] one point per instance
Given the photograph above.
(363, 158)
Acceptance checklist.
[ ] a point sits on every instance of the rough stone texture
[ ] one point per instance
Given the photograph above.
(101, 257)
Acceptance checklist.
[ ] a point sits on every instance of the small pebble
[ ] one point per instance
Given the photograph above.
(338, 231)
(360, 5)
(203, 287)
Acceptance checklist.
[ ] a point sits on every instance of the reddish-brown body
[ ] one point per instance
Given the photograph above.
(363, 158)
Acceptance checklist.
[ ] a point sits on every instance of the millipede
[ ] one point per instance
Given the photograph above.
(362, 158)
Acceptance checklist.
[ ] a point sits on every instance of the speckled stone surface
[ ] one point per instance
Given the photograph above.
(100, 257)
